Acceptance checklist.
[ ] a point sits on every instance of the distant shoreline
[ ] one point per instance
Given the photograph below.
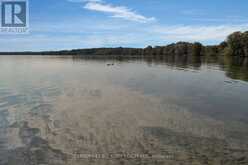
(235, 45)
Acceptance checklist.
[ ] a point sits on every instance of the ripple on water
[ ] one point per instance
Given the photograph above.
(41, 110)
(3, 118)
(35, 150)
(11, 100)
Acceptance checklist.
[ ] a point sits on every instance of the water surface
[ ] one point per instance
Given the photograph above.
(175, 110)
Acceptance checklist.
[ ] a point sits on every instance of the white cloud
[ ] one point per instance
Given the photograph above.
(122, 12)
(118, 12)
(197, 33)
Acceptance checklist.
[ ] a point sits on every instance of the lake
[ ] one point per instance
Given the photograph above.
(174, 110)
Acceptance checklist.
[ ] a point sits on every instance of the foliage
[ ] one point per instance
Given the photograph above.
(238, 44)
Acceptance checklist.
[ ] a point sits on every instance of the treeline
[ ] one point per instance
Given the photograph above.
(235, 45)
(180, 48)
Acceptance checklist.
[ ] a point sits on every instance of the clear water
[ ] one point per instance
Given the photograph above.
(178, 110)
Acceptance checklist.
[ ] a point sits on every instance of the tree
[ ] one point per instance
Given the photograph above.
(235, 43)
(245, 43)
(197, 48)
(148, 50)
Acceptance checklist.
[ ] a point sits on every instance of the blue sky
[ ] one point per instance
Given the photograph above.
(69, 24)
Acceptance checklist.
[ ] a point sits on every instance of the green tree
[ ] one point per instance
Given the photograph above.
(236, 43)
(197, 49)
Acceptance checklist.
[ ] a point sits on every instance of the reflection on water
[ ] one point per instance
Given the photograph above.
(173, 110)
(236, 68)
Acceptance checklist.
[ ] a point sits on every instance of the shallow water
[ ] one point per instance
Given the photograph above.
(178, 110)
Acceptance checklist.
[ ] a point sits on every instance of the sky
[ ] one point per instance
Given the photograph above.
(71, 24)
